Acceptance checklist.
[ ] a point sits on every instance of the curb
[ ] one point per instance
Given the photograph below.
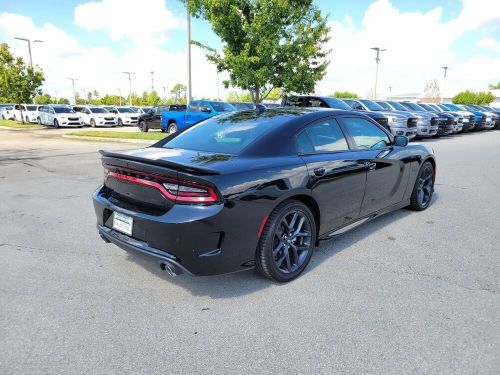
(21, 129)
(113, 140)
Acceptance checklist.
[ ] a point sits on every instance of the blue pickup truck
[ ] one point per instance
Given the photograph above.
(198, 110)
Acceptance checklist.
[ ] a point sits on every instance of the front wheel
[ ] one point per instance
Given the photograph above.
(172, 128)
(143, 126)
(92, 122)
(287, 242)
(424, 188)
(120, 122)
(39, 120)
(56, 123)
(27, 119)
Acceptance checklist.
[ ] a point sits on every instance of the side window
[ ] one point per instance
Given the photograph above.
(322, 136)
(366, 135)
(194, 107)
(87, 111)
(317, 102)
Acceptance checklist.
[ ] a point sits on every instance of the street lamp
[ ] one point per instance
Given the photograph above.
(390, 92)
(189, 93)
(164, 93)
(152, 81)
(29, 47)
(129, 86)
(120, 95)
(445, 68)
(377, 59)
(74, 92)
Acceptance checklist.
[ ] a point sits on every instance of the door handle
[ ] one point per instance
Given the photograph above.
(319, 172)
(370, 166)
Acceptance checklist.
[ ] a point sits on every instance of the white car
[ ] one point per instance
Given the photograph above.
(9, 113)
(59, 115)
(28, 111)
(124, 115)
(95, 116)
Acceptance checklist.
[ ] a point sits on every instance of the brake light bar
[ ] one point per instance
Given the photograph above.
(174, 190)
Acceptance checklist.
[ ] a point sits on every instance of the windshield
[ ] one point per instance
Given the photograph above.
(228, 134)
(336, 103)
(426, 107)
(31, 107)
(63, 110)
(435, 107)
(372, 106)
(412, 106)
(98, 110)
(385, 106)
(125, 110)
(222, 107)
(397, 106)
(452, 107)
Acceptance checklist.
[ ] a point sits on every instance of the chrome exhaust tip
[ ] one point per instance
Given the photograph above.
(171, 269)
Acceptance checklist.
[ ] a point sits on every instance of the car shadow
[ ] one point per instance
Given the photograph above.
(247, 282)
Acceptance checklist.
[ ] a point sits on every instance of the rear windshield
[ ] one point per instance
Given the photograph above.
(63, 110)
(98, 110)
(228, 134)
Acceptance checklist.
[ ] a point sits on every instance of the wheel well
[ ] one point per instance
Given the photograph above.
(171, 122)
(433, 162)
(313, 206)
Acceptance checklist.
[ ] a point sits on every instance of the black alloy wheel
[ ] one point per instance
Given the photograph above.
(120, 122)
(424, 188)
(287, 242)
(56, 123)
(143, 126)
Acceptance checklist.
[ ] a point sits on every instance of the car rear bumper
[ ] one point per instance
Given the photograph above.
(201, 240)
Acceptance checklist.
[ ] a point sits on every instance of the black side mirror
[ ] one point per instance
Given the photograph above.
(206, 109)
(400, 140)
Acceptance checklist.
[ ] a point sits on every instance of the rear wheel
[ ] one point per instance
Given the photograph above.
(172, 128)
(143, 126)
(423, 190)
(287, 242)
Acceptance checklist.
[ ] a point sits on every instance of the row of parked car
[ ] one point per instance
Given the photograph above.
(64, 115)
(413, 120)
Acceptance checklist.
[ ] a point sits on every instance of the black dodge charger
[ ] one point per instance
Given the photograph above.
(258, 189)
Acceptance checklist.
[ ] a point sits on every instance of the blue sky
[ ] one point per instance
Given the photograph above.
(469, 31)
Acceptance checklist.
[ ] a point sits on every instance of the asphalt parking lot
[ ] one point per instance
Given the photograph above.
(406, 293)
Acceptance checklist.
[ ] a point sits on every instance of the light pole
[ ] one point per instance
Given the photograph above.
(390, 92)
(120, 95)
(188, 56)
(445, 68)
(84, 96)
(74, 91)
(377, 59)
(164, 93)
(129, 86)
(152, 81)
(29, 47)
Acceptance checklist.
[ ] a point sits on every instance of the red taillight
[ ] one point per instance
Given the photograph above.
(175, 190)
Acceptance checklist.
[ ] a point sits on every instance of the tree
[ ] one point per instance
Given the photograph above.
(266, 43)
(179, 93)
(235, 97)
(43, 99)
(344, 94)
(494, 87)
(63, 101)
(432, 92)
(19, 82)
(469, 97)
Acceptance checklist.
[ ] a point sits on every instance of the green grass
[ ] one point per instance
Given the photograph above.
(18, 125)
(124, 135)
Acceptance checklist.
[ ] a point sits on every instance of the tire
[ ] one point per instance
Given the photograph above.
(421, 197)
(163, 130)
(92, 122)
(27, 119)
(56, 123)
(14, 118)
(172, 128)
(39, 120)
(275, 257)
(120, 122)
(143, 126)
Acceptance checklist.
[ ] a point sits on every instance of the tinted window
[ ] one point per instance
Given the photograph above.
(304, 145)
(366, 135)
(372, 106)
(317, 102)
(31, 108)
(385, 106)
(222, 107)
(353, 104)
(228, 134)
(336, 103)
(63, 110)
(193, 107)
(324, 136)
(397, 106)
(98, 110)
(125, 110)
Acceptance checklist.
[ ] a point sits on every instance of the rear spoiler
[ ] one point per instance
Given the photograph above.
(161, 163)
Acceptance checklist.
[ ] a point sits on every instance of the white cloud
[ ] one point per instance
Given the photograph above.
(100, 68)
(143, 22)
(418, 44)
(490, 44)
